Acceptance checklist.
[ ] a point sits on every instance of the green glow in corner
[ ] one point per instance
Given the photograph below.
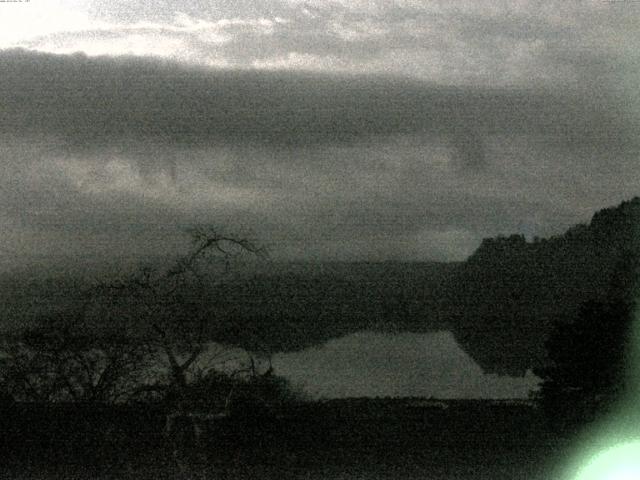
(617, 463)
(611, 449)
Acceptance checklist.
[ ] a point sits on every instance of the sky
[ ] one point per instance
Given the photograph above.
(323, 129)
(360, 130)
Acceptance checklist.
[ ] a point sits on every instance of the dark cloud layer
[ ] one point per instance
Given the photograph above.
(105, 153)
(98, 102)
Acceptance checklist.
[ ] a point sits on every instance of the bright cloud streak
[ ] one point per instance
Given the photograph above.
(496, 43)
(22, 22)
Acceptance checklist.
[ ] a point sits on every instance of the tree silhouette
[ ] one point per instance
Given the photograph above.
(589, 354)
(588, 363)
(173, 309)
(55, 360)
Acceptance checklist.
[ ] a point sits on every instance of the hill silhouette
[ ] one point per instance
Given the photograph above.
(511, 292)
(500, 304)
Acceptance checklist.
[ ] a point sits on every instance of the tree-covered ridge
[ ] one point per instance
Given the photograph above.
(512, 291)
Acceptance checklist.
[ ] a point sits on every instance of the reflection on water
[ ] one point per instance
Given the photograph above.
(388, 365)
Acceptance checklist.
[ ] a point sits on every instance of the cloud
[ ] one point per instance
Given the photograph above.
(101, 155)
(463, 43)
(105, 102)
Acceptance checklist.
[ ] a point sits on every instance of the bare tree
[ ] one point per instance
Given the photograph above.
(55, 360)
(173, 309)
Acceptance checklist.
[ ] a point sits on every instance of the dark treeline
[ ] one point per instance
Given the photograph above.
(511, 292)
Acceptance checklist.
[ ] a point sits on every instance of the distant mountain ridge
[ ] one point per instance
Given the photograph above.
(500, 304)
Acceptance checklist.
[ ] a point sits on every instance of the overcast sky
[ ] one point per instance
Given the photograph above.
(359, 129)
(344, 129)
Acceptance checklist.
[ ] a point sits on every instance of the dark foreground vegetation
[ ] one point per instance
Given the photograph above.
(358, 438)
